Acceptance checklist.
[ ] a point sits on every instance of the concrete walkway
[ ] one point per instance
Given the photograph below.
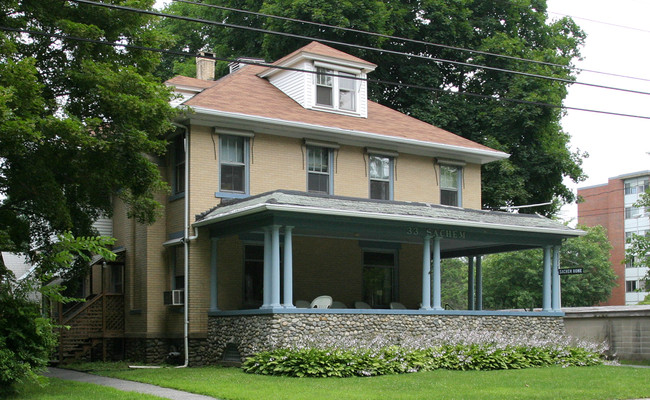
(120, 384)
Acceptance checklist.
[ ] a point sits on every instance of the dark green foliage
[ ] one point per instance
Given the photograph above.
(540, 157)
(26, 339)
(311, 362)
(78, 120)
(514, 280)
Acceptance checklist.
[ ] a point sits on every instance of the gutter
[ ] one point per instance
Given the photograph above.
(387, 217)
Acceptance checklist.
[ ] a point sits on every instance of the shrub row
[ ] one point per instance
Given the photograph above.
(337, 362)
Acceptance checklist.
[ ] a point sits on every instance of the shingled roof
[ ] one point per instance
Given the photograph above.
(301, 202)
(245, 93)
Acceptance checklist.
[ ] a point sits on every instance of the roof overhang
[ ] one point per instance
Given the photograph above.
(462, 231)
(281, 127)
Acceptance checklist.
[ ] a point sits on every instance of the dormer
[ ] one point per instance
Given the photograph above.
(335, 81)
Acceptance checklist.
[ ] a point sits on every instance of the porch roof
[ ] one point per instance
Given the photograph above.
(465, 231)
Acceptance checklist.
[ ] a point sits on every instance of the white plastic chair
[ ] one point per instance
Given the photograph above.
(338, 304)
(361, 305)
(302, 304)
(321, 302)
(394, 305)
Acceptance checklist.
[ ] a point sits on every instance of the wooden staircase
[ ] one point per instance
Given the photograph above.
(88, 328)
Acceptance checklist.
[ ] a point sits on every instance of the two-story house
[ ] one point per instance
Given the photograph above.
(289, 184)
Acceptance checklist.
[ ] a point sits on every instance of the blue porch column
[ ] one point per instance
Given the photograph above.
(426, 274)
(213, 275)
(546, 285)
(436, 274)
(288, 268)
(470, 283)
(275, 266)
(266, 288)
(556, 302)
(479, 283)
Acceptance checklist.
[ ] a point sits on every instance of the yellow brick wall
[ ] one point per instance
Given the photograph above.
(415, 179)
(472, 186)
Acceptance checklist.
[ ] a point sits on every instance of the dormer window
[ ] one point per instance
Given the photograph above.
(336, 89)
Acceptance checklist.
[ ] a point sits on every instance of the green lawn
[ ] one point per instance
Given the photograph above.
(57, 389)
(601, 382)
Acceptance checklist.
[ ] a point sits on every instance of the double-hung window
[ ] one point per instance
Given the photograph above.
(450, 185)
(381, 177)
(319, 171)
(233, 160)
(336, 89)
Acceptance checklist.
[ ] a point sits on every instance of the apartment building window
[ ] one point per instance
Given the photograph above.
(381, 177)
(178, 152)
(631, 263)
(379, 277)
(630, 286)
(336, 89)
(233, 159)
(450, 185)
(634, 212)
(319, 171)
(638, 187)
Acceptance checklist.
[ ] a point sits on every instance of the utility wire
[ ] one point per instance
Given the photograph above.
(227, 25)
(410, 40)
(600, 22)
(268, 65)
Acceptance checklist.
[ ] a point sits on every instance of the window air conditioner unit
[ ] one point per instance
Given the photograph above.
(174, 297)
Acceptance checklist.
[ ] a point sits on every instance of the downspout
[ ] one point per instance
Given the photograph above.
(186, 246)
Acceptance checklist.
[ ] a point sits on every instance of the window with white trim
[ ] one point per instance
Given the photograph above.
(380, 172)
(450, 185)
(631, 286)
(319, 171)
(336, 89)
(233, 163)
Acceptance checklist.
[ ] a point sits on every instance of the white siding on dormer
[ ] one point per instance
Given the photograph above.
(363, 97)
(104, 226)
(294, 83)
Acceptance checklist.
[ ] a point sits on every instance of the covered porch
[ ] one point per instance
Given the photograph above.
(359, 250)
(398, 242)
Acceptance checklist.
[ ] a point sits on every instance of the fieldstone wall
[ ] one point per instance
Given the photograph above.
(154, 351)
(254, 333)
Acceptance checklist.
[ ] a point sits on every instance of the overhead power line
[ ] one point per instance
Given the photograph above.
(296, 36)
(410, 40)
(378, 81)
(602, 22)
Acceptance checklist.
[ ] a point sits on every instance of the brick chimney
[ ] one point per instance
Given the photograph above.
(205, 66)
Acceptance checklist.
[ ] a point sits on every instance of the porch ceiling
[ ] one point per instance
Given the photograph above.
(463, 231)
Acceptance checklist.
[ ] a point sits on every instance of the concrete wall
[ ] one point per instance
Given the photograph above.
(625, 329)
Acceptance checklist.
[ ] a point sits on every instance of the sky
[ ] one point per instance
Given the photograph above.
(616, 145)
(618, 37)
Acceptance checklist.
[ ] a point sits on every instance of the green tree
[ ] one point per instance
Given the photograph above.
(540, 158)
(79, 124)
(453, 282)
(514, 280)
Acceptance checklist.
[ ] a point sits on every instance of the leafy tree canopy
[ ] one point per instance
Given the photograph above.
(514, 280)
(540, 158)
(77, 119)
